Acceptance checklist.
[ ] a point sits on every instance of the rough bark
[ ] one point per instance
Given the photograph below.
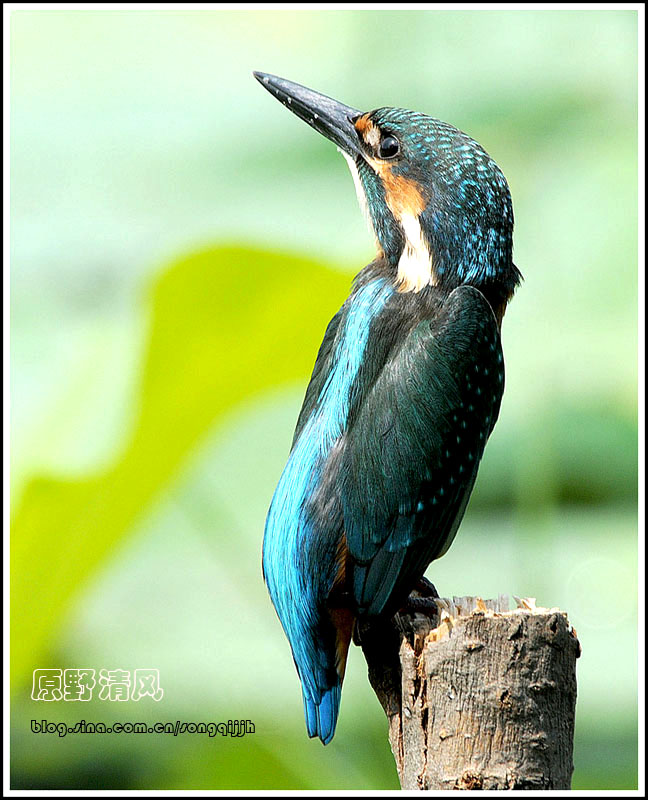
(479, 697)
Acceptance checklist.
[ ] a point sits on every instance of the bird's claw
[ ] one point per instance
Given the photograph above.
(420, 605)
(426, 588)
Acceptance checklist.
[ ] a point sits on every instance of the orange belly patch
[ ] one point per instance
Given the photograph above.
(341, 615)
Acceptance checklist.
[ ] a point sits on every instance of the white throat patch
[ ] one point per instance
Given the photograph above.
(415, 264)
(360, 194)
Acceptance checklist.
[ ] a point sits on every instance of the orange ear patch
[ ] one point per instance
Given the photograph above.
(402, 195)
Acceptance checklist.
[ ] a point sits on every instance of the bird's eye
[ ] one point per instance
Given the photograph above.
(389, 147)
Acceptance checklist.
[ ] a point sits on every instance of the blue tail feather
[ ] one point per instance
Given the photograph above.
(310, 712)
(321, 717)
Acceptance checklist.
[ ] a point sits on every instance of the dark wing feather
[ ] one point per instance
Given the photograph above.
(320, 372)
(411, 453)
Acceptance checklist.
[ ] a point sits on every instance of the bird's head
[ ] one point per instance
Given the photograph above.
(438, 204)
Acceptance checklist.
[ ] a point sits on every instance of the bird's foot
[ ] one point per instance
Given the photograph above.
(426, 588)
(420, 605)
(422, 600)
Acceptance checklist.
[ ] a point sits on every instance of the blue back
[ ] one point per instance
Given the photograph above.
(298, 587)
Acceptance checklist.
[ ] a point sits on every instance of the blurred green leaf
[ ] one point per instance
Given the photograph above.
(205, 355)
(569, 453)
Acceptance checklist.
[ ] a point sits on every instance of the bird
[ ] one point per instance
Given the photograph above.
(405, 390)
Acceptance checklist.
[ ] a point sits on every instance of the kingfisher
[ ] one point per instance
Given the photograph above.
(405, 390)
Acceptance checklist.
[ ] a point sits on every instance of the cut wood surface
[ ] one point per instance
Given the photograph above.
(478, 696)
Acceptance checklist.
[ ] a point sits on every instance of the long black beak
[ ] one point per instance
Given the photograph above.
(330, 118)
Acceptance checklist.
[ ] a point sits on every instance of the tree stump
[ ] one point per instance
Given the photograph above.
(477, 697)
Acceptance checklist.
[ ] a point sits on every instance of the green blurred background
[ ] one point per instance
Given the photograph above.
(178, 243)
